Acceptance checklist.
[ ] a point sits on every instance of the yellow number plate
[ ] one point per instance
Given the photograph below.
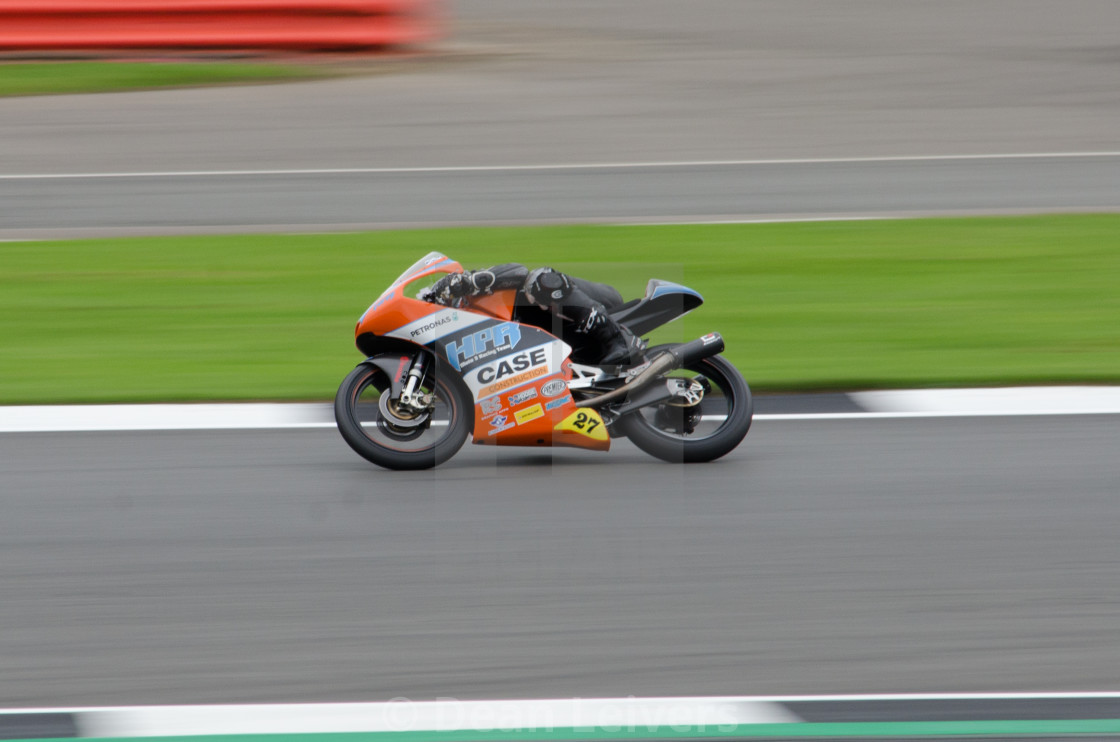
(585, 422)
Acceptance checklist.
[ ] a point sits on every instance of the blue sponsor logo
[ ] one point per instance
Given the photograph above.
(483, 344)
(499, 420)
(525, 396)
(558, 402)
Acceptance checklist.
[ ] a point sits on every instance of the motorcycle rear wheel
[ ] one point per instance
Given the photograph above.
(717, 427)
(364, 426)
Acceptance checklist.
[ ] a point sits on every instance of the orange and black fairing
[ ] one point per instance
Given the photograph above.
(517, 374)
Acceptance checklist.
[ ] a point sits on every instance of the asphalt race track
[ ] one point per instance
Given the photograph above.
(836, 556)
(524, 82)
(53, 207)
(821, 557)
(535, 82)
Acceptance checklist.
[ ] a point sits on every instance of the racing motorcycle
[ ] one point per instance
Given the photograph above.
(436, 374)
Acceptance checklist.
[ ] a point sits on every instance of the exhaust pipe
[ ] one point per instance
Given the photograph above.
(667, 360)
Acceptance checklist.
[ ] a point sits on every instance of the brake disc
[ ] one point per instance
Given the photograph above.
(402, 422)
(681, 413)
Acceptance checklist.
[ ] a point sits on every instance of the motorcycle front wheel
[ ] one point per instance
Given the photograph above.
(408, 439)
(703, 432)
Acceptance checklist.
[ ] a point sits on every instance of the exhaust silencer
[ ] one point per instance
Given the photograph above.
(669, 359)
(697, 350)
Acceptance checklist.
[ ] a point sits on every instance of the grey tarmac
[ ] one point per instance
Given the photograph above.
(822, 557)
(832, 556)
(331, 202)
(524, 82)
(538, 81)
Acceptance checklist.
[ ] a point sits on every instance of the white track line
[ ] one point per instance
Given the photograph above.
(883, 405)
(1058, 400)
(1022, 696)
(403, 715)
(441, 715)
(557, 166)
(998, 402)
(797, 416)
(82, 418)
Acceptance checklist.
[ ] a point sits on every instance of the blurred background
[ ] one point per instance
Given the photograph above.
(869, 194)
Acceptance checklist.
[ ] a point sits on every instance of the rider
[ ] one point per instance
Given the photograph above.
(573, 308)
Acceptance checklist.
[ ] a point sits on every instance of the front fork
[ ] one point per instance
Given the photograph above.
(403, 405)
(409, 397)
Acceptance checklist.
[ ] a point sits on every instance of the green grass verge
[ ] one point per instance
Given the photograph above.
(42, 78)
(830, 305)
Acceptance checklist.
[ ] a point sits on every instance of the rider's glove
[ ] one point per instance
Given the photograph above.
(449, 288)
(457, 285)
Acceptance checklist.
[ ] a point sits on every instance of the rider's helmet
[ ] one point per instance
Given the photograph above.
(545, 286)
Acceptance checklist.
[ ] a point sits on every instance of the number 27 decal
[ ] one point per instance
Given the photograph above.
(585, 422)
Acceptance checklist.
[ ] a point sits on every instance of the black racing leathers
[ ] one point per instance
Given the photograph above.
(574, 309)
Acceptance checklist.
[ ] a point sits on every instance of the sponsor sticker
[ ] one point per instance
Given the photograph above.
(585, 422)
(495, 431)
(490, 405)
(638, 369)
(521, 397)
(400, 368)
(513, 381)
(497, 370)
(529, 413)
(553, 388)
(516, 369)
(560, 402)
(710, 338)
(433, 324)
(499, 420)
(487, 342)
(436, 325)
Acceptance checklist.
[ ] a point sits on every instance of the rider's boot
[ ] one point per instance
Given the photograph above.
(618, 345)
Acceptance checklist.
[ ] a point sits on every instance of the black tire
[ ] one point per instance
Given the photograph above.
(364, 427)
(733, 403)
